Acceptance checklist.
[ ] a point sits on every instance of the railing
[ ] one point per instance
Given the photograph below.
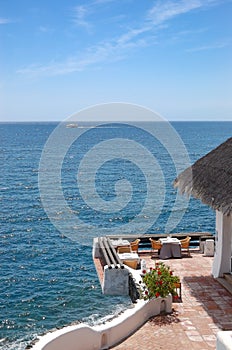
(196, 237)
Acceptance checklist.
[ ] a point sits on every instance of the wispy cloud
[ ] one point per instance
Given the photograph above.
(100, 2)
(103, 52)
(163, 11)
(79, 16)
(214, 46)
(82, 12)
(45, 29)
(133, 34)
(114, 49)
(5, 21)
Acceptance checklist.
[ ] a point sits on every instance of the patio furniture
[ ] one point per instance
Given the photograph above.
(178, 291)
(155, 245)
(171, 248)
(185, 244)
(129, 258)
(120, 243)
(131, 263)
(135, 245)
(121, 250)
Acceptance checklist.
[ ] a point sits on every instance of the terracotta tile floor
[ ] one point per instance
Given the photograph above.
(205, 309)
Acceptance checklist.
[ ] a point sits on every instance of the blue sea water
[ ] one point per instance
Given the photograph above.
(48, 280)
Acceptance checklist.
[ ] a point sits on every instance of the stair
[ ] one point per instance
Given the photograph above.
(226, 281)
(228, 277)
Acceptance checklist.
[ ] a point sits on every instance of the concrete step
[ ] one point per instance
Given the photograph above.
(224, 282)
(228, 277)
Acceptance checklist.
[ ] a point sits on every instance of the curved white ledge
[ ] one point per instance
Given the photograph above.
(104, 336)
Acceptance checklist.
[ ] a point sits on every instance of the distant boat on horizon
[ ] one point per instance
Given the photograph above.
(72, 125)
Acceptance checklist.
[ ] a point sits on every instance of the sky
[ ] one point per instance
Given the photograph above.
(58, 57)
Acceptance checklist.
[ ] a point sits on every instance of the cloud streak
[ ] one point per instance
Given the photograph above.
(215, 46)
(119, 48)
(81, 13)
(79, 17)
(104, 52)
(164, 11)
(4, 21)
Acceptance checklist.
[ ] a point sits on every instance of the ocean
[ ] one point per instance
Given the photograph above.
(47, 276)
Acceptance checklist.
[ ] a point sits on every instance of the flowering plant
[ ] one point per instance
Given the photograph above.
(159, 281)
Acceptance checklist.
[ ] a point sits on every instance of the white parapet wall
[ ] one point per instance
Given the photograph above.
(96, 249)
(115, 281)
(104, 336)
(224, 340)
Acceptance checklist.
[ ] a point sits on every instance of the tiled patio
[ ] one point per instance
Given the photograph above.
(205, 309)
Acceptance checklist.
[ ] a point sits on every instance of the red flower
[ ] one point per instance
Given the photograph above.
(158, 281)
(144, 271)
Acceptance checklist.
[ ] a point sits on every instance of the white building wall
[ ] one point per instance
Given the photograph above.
(224, 340)
(222, 256)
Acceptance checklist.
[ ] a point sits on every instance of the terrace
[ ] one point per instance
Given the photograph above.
(112, 254)
(204, 310)
(197, 320)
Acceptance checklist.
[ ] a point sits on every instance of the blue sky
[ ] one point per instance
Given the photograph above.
(58, 57)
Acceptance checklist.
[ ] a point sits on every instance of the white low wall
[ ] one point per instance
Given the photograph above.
(84, 337)
(115, 281)
(224, 340)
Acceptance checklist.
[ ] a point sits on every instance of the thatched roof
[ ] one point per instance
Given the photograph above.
(210, 178)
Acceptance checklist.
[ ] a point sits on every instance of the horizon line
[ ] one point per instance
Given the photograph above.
(111, 121)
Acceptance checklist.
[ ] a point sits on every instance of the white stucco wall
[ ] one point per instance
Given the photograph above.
(115, 281)
(84, 337)
(224, 340)
(222, 256)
